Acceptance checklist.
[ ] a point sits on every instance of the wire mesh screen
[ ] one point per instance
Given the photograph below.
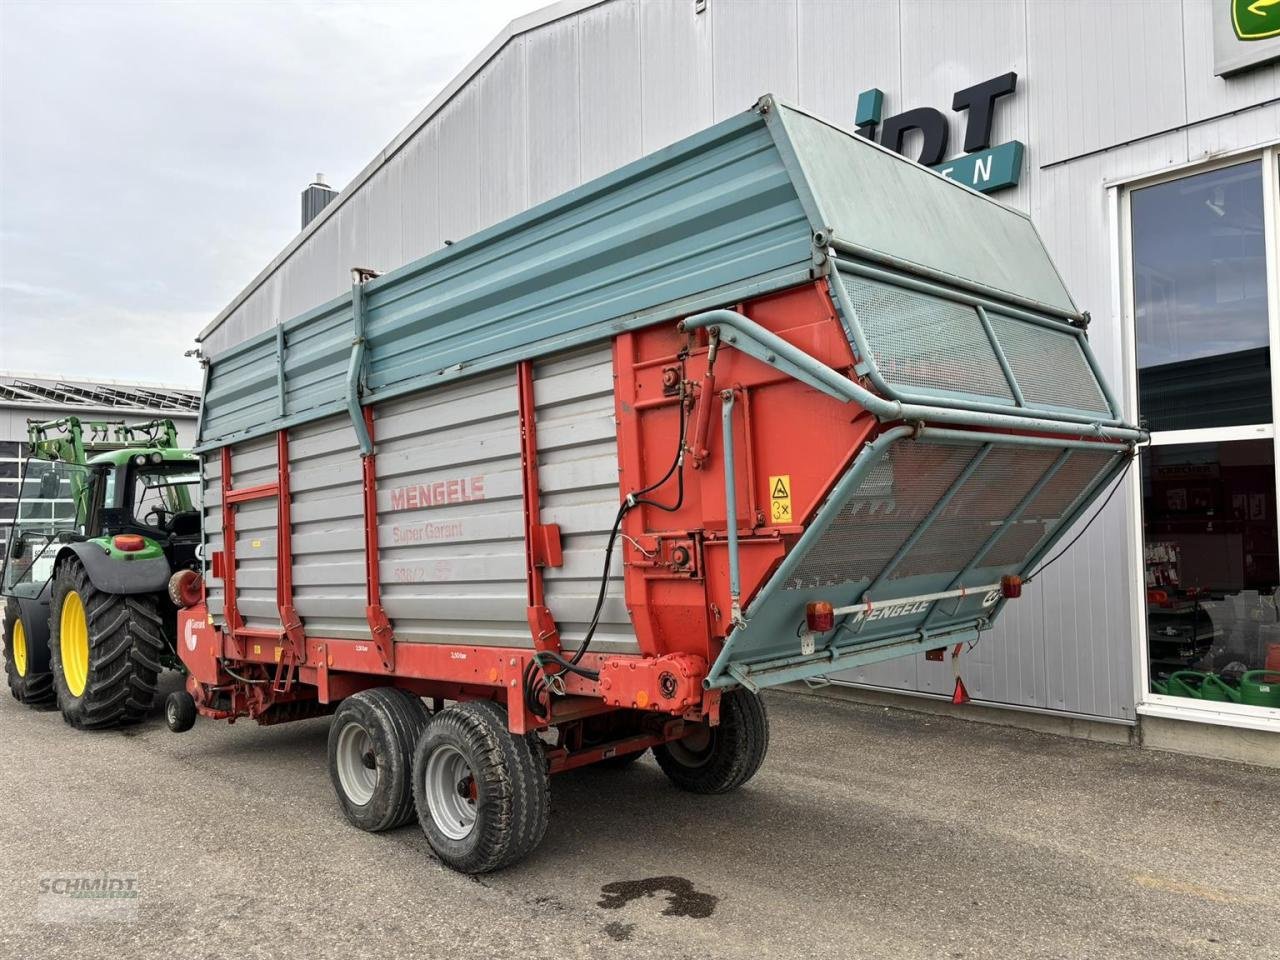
(920, 340)
(976, 510)
(887, 507)
(1044, 513)
(1049, 365)
(900, 491)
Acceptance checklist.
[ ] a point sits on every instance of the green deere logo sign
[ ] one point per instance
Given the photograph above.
(1255, 19)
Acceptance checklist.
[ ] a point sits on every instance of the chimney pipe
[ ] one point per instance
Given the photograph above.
(315, 198)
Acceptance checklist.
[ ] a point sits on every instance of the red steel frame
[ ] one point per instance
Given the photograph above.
(676, 606)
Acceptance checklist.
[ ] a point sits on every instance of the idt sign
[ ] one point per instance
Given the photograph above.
(983, 167)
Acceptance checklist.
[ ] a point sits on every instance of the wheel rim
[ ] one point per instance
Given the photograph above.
(451, 792)
(695, 748)
(19, 641)
(171, 713)
(357, 764)
(73, 640)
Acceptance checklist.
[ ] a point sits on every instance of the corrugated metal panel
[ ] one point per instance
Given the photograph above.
(327, 511)
(254, 463)
(609, 87)
(1207, 95)
(458, 135)
(578, 481)
(419, 182)
(1131, 85)
(215, 589)
(502, 112)
(755, 52)
(675, 99)
(993, 37)
(832, 79)
(553, 110)
(450, 513)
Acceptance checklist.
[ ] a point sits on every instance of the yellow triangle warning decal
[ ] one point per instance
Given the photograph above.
(779, 488)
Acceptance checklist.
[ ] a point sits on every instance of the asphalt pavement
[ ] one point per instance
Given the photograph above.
(869, 832)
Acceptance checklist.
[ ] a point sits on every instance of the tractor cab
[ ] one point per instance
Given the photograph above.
(126, 487)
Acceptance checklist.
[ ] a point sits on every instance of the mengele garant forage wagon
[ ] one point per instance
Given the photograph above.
(768, 403)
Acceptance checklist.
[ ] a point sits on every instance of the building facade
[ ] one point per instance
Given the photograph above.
(1144, 140)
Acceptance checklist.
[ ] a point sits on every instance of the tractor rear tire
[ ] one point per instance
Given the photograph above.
(371, 743)
(482, 793)
(106, 651)
(722, 758)
(26, 660)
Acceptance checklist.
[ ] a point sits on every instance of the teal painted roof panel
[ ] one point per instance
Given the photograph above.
(721, 216)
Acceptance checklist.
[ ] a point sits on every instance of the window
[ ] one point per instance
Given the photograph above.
(1202, 341)
(1200, 298)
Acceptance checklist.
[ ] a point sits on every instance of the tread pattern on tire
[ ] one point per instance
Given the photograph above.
(34, 689)
(512, 779)
(126, 646)
(402, 716)
(741, 742)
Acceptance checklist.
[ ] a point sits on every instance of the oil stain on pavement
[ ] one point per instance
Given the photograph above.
(682, 899)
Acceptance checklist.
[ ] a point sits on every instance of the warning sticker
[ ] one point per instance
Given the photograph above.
(780, 499)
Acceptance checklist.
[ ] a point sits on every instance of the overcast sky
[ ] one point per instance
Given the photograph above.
(152, 154)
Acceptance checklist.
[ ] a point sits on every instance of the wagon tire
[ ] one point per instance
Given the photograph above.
(721, 758)
(371, 741)
(26, 661)
(180, 711)
(482, 793)
(106, 651)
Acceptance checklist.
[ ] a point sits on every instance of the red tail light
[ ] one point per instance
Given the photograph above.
(820, 616)
(1011, 587)
(129, 542)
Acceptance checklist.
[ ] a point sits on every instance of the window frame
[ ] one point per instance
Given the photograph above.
(1119, 194)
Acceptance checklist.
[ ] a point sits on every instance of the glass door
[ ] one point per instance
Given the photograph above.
(1204, 334)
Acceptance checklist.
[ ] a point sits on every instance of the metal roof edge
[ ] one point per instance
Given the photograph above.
(517, 27)
(120, 413)
(105, 381)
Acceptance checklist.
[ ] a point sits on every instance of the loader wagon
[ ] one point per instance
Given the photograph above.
(768, 403)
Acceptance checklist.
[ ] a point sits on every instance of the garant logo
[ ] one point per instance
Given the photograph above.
(984, 168)
(1255, 19)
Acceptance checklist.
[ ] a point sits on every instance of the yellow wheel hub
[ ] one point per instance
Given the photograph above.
(74, 644)
(19, 641)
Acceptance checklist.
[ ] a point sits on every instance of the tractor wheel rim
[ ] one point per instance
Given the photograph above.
(20, 648)
(451, 792)
(357, 764)
(74, 644)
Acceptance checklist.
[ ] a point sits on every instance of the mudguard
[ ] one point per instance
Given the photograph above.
(34, 611)
(118, 576)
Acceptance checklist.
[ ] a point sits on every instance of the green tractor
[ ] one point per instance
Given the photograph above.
(108, 514)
